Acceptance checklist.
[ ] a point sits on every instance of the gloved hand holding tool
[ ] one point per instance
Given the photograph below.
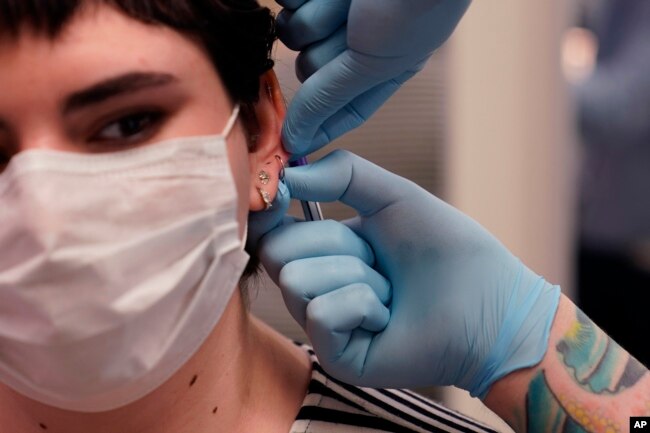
(411, 292)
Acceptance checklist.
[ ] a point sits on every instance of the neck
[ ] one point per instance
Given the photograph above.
(229, 385)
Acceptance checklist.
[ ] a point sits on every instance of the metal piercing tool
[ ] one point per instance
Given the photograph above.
(311, 209)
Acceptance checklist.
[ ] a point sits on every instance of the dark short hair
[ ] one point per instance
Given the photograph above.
(237, 34)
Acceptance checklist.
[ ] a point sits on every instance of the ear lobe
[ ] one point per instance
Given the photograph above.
(265, 159)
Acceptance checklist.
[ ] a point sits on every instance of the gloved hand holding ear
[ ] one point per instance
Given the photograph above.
(354, 54)
(411, 292)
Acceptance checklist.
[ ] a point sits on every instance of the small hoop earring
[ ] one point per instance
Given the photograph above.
(266, 198)
(279, 158)
(264, 177)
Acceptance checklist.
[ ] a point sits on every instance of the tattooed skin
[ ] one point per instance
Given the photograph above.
(597, 365)
(563, 414)
(596, 361)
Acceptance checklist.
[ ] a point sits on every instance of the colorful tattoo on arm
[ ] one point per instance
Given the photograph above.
(596, 362)
(548, 413)
(599, 366)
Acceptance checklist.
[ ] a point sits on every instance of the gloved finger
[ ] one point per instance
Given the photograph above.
(303, 280)
(350, 365)
(357, 112)
(334, 319)
(346, 177)
(291, 242)
(291, 4)
(312, 22)
(260, 223)
(324, 94)
(317, 55)
(351, 115)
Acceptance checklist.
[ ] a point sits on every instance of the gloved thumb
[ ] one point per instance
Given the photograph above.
(346, 177)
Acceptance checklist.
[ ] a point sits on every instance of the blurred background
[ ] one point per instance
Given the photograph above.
(534, 119)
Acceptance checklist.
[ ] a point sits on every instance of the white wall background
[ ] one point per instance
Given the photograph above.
(511, 153)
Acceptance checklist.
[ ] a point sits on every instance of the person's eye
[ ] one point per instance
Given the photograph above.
(135, 127)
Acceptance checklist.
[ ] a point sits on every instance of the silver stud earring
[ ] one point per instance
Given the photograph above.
(266, 198)
(264, 177)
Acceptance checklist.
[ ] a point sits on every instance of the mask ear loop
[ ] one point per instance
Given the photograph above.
(245, 239)
(231, 122)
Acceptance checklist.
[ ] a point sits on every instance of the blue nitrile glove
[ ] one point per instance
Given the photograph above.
(463, 310)
(354, 55)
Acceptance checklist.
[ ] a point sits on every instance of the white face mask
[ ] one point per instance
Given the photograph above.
(114, 268)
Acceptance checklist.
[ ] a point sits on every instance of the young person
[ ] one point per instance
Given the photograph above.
(135, 137)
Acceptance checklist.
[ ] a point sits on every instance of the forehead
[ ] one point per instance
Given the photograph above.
(98, 42)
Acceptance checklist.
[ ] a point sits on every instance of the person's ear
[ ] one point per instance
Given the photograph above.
(267, 156)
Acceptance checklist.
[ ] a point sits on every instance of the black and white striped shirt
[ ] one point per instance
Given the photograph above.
(335, 407)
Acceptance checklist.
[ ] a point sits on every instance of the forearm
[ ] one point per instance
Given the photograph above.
(585, 383)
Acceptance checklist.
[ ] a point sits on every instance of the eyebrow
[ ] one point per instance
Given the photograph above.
(116, 86)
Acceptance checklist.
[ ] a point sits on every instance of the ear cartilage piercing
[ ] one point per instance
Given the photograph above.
(279, 158)
(266, 197)
(264, 177)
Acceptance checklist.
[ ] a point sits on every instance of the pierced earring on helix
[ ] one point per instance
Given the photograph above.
(279, 158)
(264, 177)
(266, 198)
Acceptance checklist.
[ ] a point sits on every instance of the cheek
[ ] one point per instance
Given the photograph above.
(240, 168)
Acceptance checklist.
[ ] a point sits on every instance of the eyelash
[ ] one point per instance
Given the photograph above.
(146, 125)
